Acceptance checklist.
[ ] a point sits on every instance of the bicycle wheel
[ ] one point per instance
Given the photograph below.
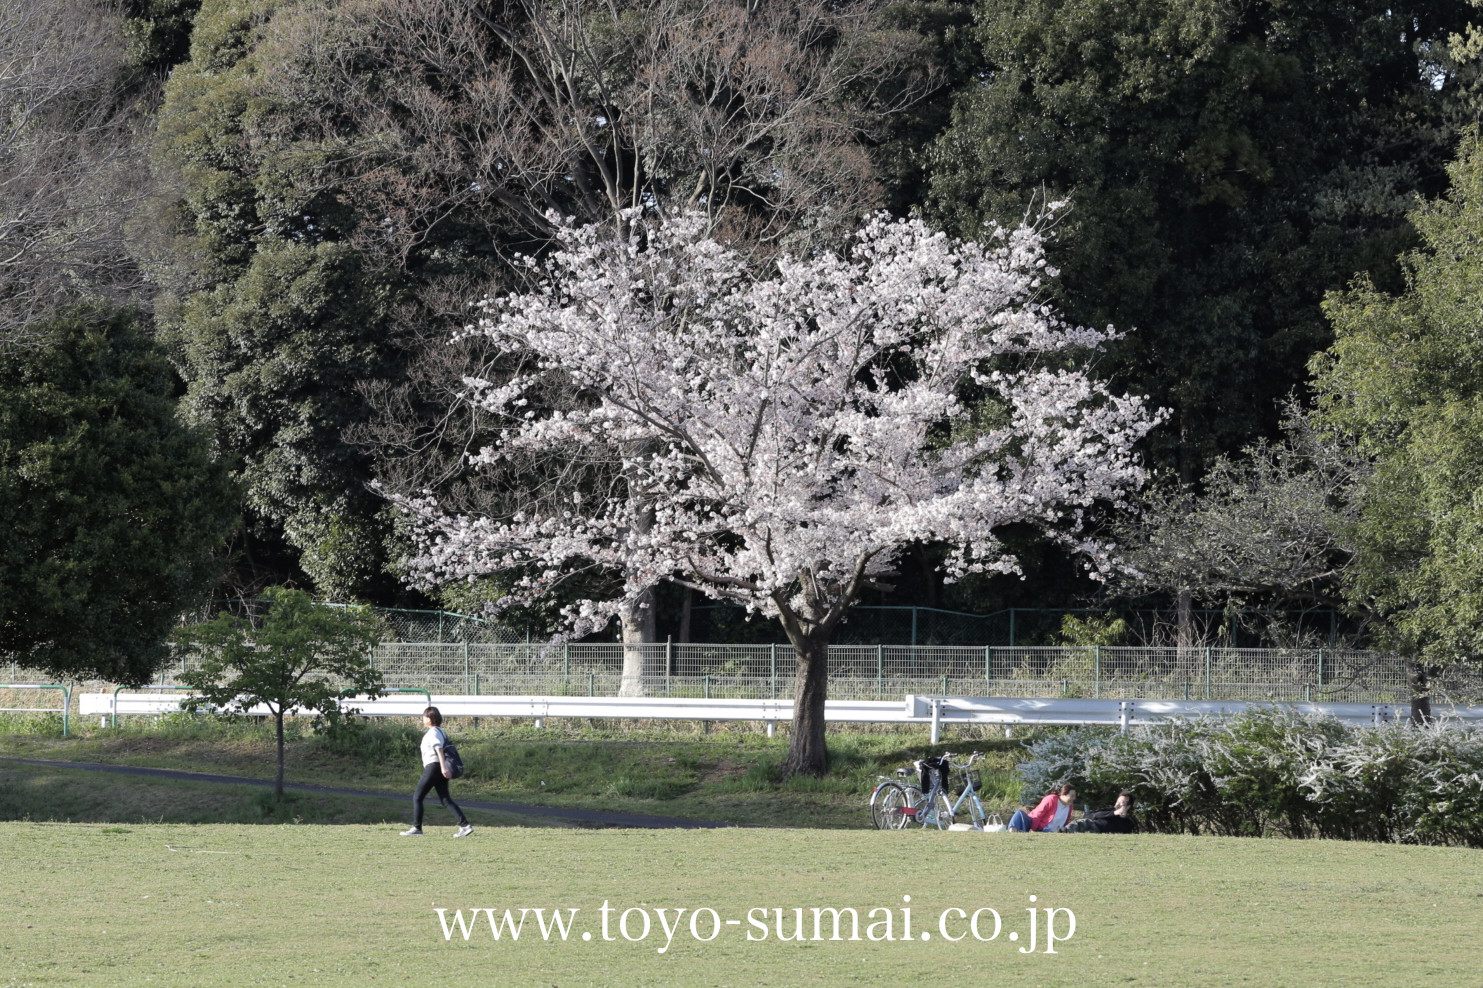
(941, 812)
(892, 807)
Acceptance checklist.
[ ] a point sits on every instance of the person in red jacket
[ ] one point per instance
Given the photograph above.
(1049, 815)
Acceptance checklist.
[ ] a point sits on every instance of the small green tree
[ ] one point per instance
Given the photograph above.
(299, 656)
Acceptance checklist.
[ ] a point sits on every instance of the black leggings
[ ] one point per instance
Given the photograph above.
(432, 778)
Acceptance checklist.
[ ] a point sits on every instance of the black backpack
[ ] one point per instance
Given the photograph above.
(451, 759)
(940, 766)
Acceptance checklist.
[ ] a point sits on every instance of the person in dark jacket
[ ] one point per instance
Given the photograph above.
(1117, 820)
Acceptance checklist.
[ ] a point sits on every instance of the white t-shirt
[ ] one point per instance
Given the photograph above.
(431, 741)
(1063, 810)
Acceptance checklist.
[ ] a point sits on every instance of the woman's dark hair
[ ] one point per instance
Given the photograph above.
(1065, 788)
(432, 714)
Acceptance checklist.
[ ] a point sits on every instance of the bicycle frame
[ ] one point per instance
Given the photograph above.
(926, 810)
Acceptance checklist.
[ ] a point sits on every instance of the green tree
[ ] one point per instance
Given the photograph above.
(299, 656)
(114, 510)
(1404, 379)
(1228, 162)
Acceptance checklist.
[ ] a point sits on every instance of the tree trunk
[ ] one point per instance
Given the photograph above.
(806, 751)
(638, 630)
(278, 784)
(1421, 700)
(1185, 617)
(685, 610)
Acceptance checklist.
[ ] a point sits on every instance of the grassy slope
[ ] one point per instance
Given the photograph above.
(37, 793)
(136, 905)
(725, 776)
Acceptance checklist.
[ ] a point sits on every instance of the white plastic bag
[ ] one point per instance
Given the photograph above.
(995, 825)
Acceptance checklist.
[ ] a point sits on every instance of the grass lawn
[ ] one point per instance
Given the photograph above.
(162, 904)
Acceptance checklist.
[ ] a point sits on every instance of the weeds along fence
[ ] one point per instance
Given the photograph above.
(879, 672)
(891, 671)
(868, 672)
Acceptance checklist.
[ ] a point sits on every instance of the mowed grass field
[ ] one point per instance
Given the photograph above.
(310, 904)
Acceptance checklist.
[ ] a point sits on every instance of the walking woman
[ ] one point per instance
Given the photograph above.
(435, 775)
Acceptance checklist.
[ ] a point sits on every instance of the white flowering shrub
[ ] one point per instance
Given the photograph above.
(1278, 773)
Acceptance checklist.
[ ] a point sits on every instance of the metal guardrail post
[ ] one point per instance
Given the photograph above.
(114, 724)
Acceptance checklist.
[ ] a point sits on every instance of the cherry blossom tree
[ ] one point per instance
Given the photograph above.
(774, 438)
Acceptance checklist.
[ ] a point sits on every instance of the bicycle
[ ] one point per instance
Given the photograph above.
(889, 798)
(896, 805)
(971, 780)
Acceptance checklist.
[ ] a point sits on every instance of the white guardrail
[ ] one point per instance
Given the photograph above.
(917, 709)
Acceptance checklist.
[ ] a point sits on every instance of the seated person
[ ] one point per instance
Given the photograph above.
(1049, 815)
(1118, 820)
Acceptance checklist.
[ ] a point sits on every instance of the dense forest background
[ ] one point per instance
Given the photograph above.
(239, 237)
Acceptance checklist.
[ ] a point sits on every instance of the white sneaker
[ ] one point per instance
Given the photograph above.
(414, 832)
(464, 831)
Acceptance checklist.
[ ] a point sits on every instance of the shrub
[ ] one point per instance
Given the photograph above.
(1273, 772)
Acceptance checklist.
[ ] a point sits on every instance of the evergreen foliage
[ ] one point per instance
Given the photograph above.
(114, 511)
(1228, 162)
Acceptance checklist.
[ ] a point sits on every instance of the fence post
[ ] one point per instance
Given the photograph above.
(466, 670)
(944, 684)
(566, 663)
(913, 627)
(1320, 670)
(1096, 671)
(988, 669)
(592, 684)
(880, 669)
(1011, 627)
(1208, 653)
(705, 725)
(774, 670)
